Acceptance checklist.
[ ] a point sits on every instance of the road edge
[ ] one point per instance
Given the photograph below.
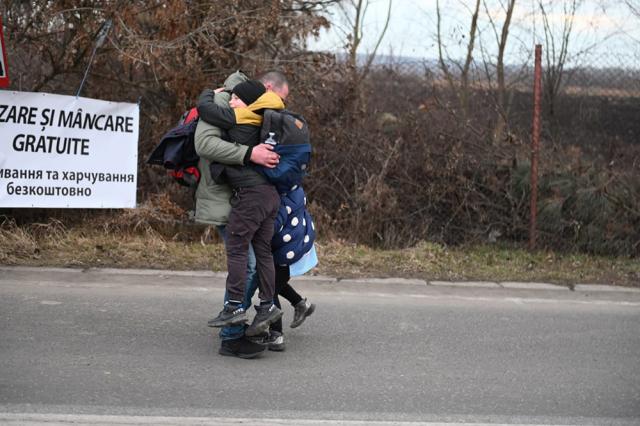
(511, 285)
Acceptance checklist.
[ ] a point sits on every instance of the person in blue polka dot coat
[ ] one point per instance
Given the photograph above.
(294, 229)
(293, 254)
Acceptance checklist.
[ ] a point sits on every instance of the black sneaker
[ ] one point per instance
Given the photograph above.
(241, 348)
(229, 315)
(260, 339)
(275, 341)
(302, 310)
(264, 317)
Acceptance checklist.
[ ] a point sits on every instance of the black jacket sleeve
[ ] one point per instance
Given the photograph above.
(247, 157)
(215, 114)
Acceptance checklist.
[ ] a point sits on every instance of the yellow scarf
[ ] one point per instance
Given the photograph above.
(268, 100)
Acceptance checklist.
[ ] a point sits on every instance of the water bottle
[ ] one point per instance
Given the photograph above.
(271, 140)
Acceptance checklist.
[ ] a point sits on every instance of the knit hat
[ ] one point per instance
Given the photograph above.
(249, 91)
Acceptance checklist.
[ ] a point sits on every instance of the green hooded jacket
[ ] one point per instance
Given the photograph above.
(212, 199)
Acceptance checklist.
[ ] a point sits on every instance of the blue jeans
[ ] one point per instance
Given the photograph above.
(237, 331)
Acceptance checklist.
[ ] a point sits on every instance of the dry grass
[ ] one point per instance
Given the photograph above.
(15, 242)
(137, 244)
(487, 262)
(81, 249)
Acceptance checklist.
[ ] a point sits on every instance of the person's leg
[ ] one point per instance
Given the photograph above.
(238, 235)
(233, 342)
(249, 208)
(261, 242)
(283, 288)
(282, 277)
(302, 307)
(277, 325)
(267, 202)
(240, 231)
(252, 279)
(237, 331)
(275, 338)
(264, 266)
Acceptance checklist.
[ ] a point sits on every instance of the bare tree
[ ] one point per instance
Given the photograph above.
(502, 44)
(501, 40)
(462, 90)
(355, 12)
(634, 6)
(556, 51)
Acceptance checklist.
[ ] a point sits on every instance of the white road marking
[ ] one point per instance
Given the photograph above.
(33, 419)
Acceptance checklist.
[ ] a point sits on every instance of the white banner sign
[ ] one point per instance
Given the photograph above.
(63, 151)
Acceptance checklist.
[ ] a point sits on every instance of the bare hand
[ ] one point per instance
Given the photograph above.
(219, 89)
(263, 155)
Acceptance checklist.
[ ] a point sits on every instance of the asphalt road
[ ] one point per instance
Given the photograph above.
(107, 347)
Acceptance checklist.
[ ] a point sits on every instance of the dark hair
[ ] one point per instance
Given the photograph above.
(276, 78)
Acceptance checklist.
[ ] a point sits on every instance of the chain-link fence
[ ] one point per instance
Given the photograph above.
(601, 92)
(430, 153)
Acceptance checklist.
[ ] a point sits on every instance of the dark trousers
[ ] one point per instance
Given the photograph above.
(251, 221)
(284, 289)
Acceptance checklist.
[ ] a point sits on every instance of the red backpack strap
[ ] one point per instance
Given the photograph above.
(191, 115)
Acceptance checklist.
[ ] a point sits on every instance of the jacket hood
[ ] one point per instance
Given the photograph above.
(235, 79)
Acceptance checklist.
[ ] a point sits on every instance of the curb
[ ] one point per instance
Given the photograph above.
(322, 279)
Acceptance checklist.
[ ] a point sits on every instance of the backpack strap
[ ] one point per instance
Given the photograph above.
(266, 124)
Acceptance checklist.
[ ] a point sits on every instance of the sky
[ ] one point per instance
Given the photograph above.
(605, 33)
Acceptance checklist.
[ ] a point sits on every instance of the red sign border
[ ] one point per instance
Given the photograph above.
(4, 81)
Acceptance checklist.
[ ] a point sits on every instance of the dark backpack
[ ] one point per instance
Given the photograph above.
(176, 151)
(288, 127)
(289, 133)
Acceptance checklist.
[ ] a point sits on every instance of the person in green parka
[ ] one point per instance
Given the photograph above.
(213, 199)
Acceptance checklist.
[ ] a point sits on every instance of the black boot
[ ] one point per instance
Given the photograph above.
(266, 314)
(301, 311)
(230, 315)
(275, 341)
(241, 348)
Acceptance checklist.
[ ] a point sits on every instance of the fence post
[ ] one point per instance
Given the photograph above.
(535, 145)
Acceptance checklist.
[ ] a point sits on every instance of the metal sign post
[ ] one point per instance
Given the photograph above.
(535, 146)
(102, 34)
